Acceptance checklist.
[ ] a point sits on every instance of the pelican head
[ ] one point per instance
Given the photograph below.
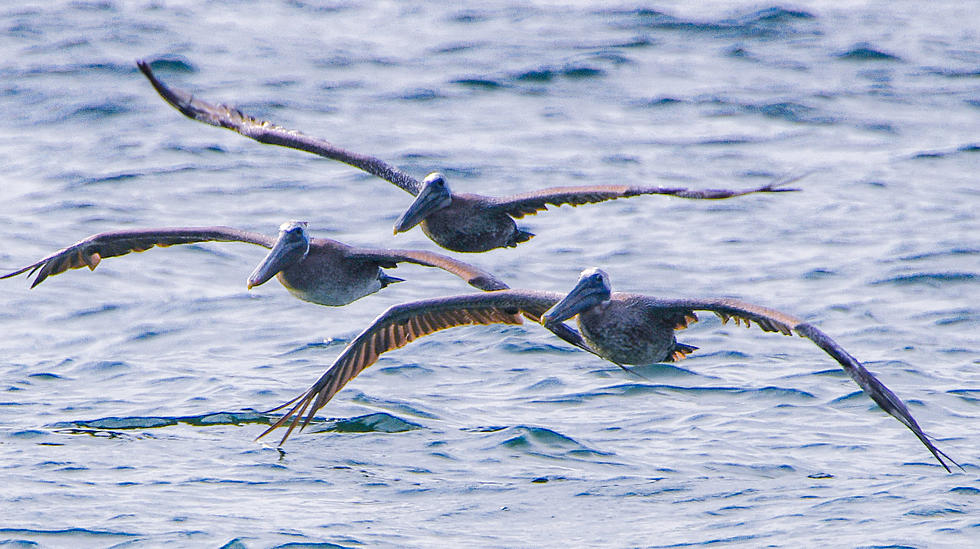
(291, 248)
(435, 195)
(592, 289)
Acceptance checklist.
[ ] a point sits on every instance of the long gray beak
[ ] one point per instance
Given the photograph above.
(426, 202)
(286, 252)
(583, 297)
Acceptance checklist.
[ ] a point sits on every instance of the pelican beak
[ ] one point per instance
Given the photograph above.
(434, 196)
(591, 290)
(291, 247)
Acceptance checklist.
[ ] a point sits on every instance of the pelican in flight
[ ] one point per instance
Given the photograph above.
(461, 222)
(319, 270)
(622, 328)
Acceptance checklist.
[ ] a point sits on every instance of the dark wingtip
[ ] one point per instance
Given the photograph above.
(387, 279)
(33, 269)
(487, 283)
(179, 99)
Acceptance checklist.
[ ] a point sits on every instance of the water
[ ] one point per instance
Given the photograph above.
(131, 393)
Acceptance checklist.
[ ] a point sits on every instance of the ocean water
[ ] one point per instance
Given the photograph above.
(132, 394)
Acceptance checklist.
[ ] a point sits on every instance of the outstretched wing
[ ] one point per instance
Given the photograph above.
(401, 325)
(775, 321)
(474, 276)
(88, 252)
(262, 131)
(519, 205)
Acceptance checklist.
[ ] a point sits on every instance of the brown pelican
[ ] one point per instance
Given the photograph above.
(620, 327)
(319, 270)
(460, 222)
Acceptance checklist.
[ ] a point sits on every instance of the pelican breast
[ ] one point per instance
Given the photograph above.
(625, 330)
(470, 224)
(328, 277)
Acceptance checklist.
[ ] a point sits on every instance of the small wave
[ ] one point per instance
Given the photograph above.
(72, 532)
(547, 443)
(399, 407)
(96, 310)
(44, 375)
(548, 74)
(372, 423)
(968, 148)
(934, 280)
(865, 52)
(933, 512)
(534, 347)
(953, 73)
(770, 21)
(406, 369)
(104, 366)
(94, 111)
(969, 395)
(70, 69)
(479, 83)
(154, 422)
(421, 94)
(325, 344)
(546, 383)
(28, 434)
(952, 252)
(110, 178)
(790, 111)
(620, 158)
(308, 545)
(120, 423)
(171, 64)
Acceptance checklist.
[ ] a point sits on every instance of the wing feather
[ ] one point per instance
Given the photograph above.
(401, 325)
(266, 132)
(91, 250)
(775, 321)
(533, 202)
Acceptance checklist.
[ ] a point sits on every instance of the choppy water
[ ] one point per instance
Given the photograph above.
(130, 393)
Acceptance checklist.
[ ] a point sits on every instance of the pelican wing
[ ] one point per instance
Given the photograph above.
(474, 276)
(774, 321)
(401, 325)
(266, 132)
(88, 252)
(533, 202)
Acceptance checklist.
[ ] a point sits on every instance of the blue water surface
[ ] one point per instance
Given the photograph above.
(132, 394)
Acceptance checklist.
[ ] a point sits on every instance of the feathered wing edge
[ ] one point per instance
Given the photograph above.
(883, 396)
(530, 203)
(266, 132)
(89, 251)
(400, 325)
(774, 321)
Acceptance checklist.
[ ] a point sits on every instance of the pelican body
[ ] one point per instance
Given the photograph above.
(318, 270)
(622, 328)
(456, 221)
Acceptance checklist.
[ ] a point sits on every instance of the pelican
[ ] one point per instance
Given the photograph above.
(319, 270)
(461, 222)
(622, 328)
